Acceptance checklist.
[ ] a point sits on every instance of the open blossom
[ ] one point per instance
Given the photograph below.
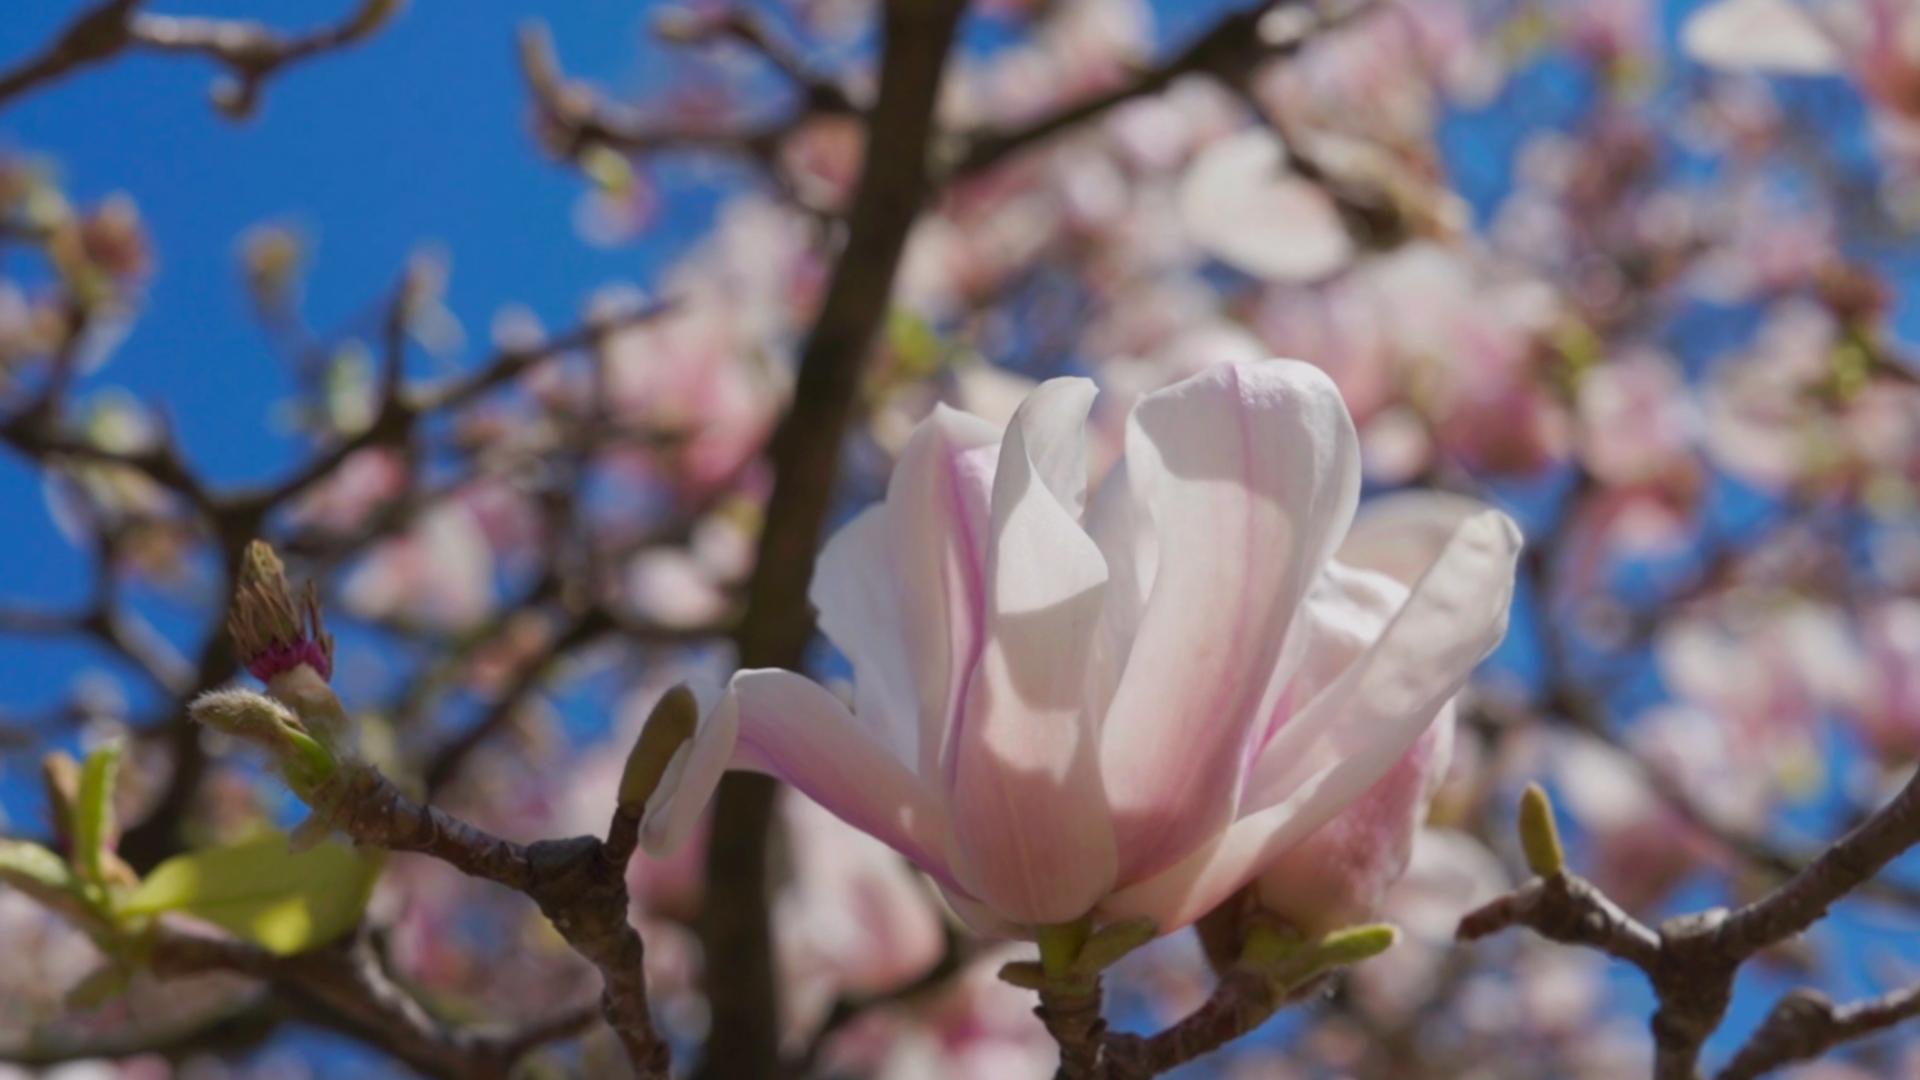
(1110, 702)
(1878, 41)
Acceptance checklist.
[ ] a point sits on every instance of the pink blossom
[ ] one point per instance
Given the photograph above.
(439, 573)
(975, 1028)
(1073, 702)
(856, 920)
(1637, 424)
(365, 481)
(1888, 713)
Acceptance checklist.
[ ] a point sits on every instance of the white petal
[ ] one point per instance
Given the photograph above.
(1768, 35)
(1455, 615)
(857, 595)
(1248, 474)
(937, 520)
(1032, 838)
(1242, 205)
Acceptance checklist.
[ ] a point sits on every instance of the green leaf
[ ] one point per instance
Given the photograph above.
(93, 825)
(33, 869)
(47, 878)
(285, 901)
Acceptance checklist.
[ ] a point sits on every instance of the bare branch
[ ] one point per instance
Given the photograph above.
(805, 452)
(1571, 910)
(1229, 51)
(1805, 1025)
(250, 51)
(96, 35)
(1848, 864)
(579, 884)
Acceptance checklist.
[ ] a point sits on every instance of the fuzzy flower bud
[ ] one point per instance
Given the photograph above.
(273, 727)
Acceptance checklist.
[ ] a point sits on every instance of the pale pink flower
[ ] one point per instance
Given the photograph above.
(1888, 713)
(1073, 702)
(1637, 421)
(1771, 35)
(1778, 416)
(439, 573)
(855, 920)
(1340, 874)
(1764, 670)
(365, 481)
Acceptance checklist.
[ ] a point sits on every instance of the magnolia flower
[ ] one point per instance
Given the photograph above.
(1110, 702)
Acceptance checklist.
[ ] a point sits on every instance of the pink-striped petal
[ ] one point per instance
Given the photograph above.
(1032, 839)
(937, 519)
(1352, 733)
(791, 728)
(1249, 474)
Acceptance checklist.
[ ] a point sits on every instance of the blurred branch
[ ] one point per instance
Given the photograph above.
(1229, 51)
(805, 452)
(98, 34)
(1805, 1024)
(576, 118)
(238, 1030)
(251, 52)
(346, 980)
(444, 764)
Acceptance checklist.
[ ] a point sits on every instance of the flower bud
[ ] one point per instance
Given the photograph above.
(668, 728)
(271, 632)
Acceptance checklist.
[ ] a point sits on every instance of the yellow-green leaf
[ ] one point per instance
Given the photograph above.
(47, 878)
(283, 900)
(33, 869)
(93, 813)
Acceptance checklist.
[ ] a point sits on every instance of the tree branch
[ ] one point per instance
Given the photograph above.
(1805, 1025)
(1229, 51)
(805, 451)
(579, 884)
(250, 51)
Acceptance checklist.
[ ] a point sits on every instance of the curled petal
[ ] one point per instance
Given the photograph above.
(1339, 875)
(936, 516)
(785, 725)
